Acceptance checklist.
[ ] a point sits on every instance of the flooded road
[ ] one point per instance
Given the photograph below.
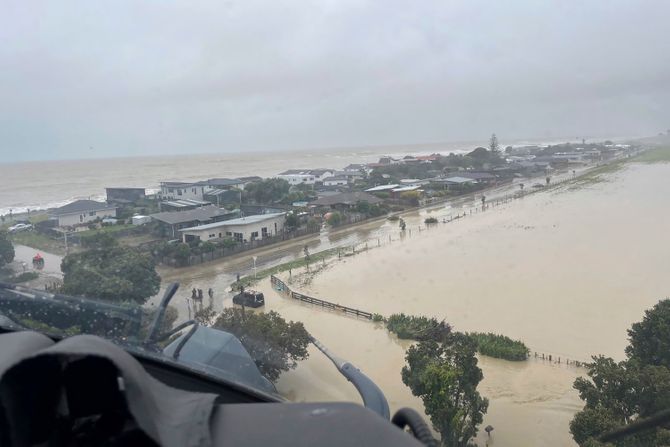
(567, 272)
(23, 254)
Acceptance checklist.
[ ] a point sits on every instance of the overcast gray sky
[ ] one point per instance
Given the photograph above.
(130, 77)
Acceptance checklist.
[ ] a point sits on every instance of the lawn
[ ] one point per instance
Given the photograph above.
(658, 155)
(39, 241)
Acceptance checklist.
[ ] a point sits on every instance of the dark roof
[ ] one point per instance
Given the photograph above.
(79, 206)
(336, 178)
(475, 175)
(171, 184)
(346, 198)
(202, 214)
(251, 178)
(220, 182)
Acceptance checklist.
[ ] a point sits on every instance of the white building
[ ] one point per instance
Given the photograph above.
(337, 180)
(244, 229)
(182, 190)
(81, 212)
(305, 176)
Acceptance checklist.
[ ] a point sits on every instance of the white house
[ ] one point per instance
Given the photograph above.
(182, 190)
(244, 229)
(81, 212)
(337, 180)
(305, 176)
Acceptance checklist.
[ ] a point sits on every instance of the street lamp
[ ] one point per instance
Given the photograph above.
(254, 258)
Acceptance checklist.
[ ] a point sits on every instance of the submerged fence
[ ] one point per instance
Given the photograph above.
(281, 286)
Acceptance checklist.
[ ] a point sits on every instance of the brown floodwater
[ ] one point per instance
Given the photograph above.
(566, 271)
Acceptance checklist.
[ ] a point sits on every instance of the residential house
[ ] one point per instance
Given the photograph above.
(355, 167)
(221, 183)
(81, 212)
(351, 176)
(337, 180)
(124, 196)
(181, 204)
(345, 200)
(173, 221)
(182, 190)
(243, 229)
(250, 179)
(485, 178)
(305, 176)
(382, 188)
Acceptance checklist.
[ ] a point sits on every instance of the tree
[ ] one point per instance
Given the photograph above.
(6, 249)
(269, 190)
(182, 253)
(650, 338)
(335, 219)
(445, 376)
(618, 393)
(274, 344)
(292, 221)
(110, 272)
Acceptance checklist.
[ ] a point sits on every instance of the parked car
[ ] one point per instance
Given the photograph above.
(20, 227)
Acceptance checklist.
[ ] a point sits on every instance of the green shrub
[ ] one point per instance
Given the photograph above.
(377, 318)
(499, 346)
(417, 328)
(335, 219)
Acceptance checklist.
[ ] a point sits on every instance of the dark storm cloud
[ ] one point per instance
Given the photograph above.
(128, 77)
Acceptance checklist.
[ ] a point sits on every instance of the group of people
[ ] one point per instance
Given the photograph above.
(197, 294)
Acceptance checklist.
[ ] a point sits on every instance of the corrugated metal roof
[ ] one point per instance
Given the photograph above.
(199, 214)
(382, 188)
(79, 206)
(240, 221)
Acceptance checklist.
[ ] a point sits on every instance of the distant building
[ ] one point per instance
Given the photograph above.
(181, 204)
(81, 212)
(345, 200)
(251, 179)
(173, 221)
(122, 196)
(305, 176)
(243, 229)
(338, 180)
(182, 190)
(355, 168)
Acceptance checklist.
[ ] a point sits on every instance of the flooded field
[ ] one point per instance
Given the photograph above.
(566, 271)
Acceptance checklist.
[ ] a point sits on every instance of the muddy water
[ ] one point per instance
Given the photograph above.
(565, 271)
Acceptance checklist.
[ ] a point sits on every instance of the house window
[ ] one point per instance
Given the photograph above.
(193, 189)
(219, 235)
(92, 213)
(238, 237)
(264, 231)
(170, 189)
(179, 192)
(81, 218)
(228, 233)
(254, 235)
(212, 235)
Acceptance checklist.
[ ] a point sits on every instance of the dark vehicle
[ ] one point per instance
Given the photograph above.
(249, 298)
